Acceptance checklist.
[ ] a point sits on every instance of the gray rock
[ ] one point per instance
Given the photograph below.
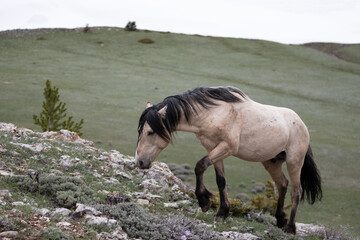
(18, 204)
(35, 148)
(2, 165)
(5, 193)
(303, 229)
(92, 220)
(56, 172)
(61, 211)
(239, 236)
(8, 234)
(144, 195)
(63, 224)
(67, 161)
(43, 211)
(243, 197)
(172, 205)
(150, 184)
(2, 150)
(142, 202)
(112, 181)
(125, 175)
(258, 187)
(82, 210)
(6, 173)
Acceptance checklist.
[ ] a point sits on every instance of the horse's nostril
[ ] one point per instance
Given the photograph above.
(141, 163)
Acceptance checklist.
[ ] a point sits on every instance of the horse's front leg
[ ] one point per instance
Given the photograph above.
(202, 194)
(224, 209)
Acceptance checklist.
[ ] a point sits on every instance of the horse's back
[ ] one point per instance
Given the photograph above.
(267, 130)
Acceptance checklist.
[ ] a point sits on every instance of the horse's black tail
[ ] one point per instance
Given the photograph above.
(310, 179)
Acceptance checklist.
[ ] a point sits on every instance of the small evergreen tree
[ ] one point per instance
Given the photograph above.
(131, 26)
(53, 113)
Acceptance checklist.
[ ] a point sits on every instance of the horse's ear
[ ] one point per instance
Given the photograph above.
(162, 112)
(148, 105)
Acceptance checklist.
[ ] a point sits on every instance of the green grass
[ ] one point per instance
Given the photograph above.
(109, 86)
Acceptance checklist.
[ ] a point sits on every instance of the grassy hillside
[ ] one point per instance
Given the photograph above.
(107, 76)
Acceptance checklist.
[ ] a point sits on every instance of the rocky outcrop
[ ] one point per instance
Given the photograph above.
(111, 178)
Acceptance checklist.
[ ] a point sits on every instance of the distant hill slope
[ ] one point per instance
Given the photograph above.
(106, 76)
(347, 52)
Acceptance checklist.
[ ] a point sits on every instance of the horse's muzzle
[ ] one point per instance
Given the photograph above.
(144, 163)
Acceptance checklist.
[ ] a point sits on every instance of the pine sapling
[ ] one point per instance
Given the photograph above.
(54, 111)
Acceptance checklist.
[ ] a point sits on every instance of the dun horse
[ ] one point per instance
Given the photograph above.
(227, 122)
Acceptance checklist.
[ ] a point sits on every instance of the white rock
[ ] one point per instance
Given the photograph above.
(150, 184)
(303, 229)
(18, 203)
(239, 236)
(112, 222)
(184, 202)
(112, 181)
(173, 205)
(7, 127)
(148, 196)
(83, 209)
(8, 234)
(96, 174)
(6, 173)
(125, 175)
(55, 171)
(2, 150)
(92, 220)
(119, 234)
(63, 224)
(61, 211)
(142, 202)
(43, 211)
(2, 203)
(5, 193)
(36, 148)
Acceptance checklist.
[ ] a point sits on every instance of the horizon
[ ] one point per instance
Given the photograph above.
(288, 22)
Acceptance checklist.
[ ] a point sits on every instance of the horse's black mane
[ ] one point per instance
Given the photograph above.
(185, 103)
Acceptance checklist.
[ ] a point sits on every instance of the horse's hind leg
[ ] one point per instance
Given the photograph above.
(294, 164)
(224, 209)
(202, 194)
(274, 168)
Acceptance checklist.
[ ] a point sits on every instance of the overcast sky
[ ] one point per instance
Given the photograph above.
(285, 21)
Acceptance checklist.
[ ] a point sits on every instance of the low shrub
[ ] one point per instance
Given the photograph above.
(146, 41)
(139, 223)
(53, 233)
(268, 202)
(65, 191)
(6, 224)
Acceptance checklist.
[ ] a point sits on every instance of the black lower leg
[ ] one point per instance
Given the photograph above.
(280, 214)
(202, 194)
(224, 202)
(290, 227)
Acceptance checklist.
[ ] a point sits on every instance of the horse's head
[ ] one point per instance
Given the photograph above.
(153, 136)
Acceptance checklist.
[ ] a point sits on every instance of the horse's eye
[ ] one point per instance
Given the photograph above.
(150, 133)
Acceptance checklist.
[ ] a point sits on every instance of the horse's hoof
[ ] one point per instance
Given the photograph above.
(222, 214)
(290, 228)
(204, 201)
(280, 223)
(206, 207)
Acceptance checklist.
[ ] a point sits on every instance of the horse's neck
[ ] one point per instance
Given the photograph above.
(189, 126)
